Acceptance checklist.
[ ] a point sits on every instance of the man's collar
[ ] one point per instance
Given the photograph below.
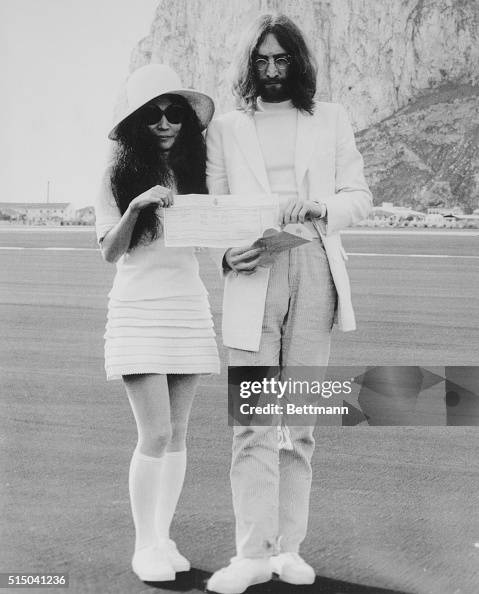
(269, 106)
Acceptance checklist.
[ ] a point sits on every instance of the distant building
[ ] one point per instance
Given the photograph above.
(452, 217)
(85, 215)
(388, 215)
(39, 213)
(387, 206)
(455, 210)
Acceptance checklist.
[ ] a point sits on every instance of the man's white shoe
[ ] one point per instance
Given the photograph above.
(177, 560)
(152, 565)
(240, 574)
(291, 568)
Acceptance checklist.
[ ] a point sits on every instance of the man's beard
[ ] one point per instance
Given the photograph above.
(274, 92)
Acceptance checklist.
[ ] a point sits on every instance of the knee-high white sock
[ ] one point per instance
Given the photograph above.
(144, 484)
(172, 478)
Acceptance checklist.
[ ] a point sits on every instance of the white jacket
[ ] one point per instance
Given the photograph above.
(328, 167)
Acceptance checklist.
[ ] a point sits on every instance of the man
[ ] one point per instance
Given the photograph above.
(281, 141)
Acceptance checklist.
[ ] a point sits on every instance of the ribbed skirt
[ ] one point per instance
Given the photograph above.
(160, 336)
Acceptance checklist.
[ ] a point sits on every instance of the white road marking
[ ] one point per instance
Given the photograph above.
(445, 233)
(412, 255)
(47, 229)
(68, 249)
(364, 254)
(50, 249)
(349, 231)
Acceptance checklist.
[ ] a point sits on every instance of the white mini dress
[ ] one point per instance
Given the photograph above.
(159, 319)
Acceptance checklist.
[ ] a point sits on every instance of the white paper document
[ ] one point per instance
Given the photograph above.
(219, 220)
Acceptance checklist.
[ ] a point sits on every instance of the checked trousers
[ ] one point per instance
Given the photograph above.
(271, 486)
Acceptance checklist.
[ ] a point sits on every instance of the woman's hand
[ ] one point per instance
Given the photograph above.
(297, 211)
(159, 195)
(117, 240)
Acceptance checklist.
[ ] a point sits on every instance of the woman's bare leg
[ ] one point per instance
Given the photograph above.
(161, 406)
(182, 390)
(150, 402)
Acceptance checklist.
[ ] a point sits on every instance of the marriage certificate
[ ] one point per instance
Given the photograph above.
(219, 221)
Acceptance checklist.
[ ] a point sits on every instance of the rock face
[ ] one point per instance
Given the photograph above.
(427, 154)
(409, 58)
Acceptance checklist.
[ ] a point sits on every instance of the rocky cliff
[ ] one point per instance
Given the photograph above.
(427, 153)
(406, 71)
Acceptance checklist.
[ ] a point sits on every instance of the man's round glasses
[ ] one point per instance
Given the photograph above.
(152, 114)
(281, 63)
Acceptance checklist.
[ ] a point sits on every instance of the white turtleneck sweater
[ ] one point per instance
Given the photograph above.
(276, 125)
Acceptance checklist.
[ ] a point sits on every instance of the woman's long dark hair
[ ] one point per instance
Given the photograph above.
(303, 69)
(139, 164)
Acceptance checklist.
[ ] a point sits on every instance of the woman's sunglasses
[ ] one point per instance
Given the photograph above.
(153, 114)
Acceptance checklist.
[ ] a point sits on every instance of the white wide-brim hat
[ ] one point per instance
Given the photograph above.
(151, 81)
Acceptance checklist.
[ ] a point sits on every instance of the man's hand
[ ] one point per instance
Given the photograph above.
(159, 195)
(298, 211)
(243, 259)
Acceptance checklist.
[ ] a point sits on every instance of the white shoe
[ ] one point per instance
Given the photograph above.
(291, 568)
(239, 575)
(177, 560)
(152, 565)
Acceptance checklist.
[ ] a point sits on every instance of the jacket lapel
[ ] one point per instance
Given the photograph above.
(247, 137)
(306, 137)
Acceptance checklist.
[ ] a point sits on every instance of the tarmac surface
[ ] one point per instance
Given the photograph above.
(393, 509)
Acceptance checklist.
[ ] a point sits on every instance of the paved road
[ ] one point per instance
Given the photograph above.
(395, 508)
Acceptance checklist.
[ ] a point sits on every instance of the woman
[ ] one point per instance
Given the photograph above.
(159, 334)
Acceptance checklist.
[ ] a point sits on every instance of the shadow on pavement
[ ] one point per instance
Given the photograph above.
(195, 581)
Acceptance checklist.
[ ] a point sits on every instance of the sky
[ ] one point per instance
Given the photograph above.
(63, 63)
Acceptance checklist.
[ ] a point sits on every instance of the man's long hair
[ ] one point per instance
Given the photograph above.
(303, 69)
(139, 164)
